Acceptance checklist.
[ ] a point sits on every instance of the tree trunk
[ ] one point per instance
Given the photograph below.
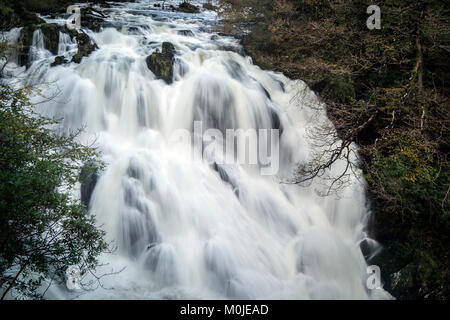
(11, 284)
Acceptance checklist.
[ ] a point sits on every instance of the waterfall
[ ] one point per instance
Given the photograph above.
(65, 44)
(37, 50)
(11, 37)
(200, 229)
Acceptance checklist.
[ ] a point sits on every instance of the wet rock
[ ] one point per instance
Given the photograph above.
(133, 30)
(89, 176)
(161, 64)
(50, 32)
(187, 33)
(85, 47)
(72, 32)
(51, 37)
(186, 7)
(24, 43)
(59, 60)
(209, 6)
(92, 19)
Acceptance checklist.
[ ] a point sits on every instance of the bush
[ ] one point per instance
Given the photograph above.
(43, 230)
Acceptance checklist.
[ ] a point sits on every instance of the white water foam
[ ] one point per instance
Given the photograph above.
(185, 229)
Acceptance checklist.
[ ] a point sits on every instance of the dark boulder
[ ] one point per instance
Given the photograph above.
(161, 64)
(186, 7)
(24, 43)
(51, 36)
(187, 33)
(85, 47)
(89, 176)
(92, 18)
(59, 60)
(50, 33)
(72, 32)
(209, 6)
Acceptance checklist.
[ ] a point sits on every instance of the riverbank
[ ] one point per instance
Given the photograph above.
(386, 90)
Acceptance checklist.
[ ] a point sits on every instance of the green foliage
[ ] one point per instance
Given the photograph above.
(407, 172)
(339, 88)
(43, 230)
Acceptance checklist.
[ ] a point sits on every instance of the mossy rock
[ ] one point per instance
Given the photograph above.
(188, 8)
(59, 60)
(24, 43)
(91, 22)
(161, 64)
(85, 47)
(72, 32)
(209, 6)
(51, 37)
(51, 40)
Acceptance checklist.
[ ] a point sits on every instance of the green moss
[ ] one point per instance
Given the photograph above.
(161, 64)
(51, 36)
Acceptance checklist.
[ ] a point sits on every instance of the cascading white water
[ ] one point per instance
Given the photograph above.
(184, 228)
(65, 44)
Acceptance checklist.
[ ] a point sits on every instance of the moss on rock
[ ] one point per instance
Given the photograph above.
(24, 43)
(51, 36)
(85, 47)
(59, 60)
(161, 64)
(187, 8)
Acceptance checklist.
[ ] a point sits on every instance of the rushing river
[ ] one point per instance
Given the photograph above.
(186, 228)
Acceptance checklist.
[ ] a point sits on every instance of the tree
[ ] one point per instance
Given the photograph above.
(43, 230)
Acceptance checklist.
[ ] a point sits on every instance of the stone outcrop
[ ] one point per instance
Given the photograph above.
(186, 7)
(161, 63)
(85, 47)
(50, 32)
(59, 60)
(51, 36)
